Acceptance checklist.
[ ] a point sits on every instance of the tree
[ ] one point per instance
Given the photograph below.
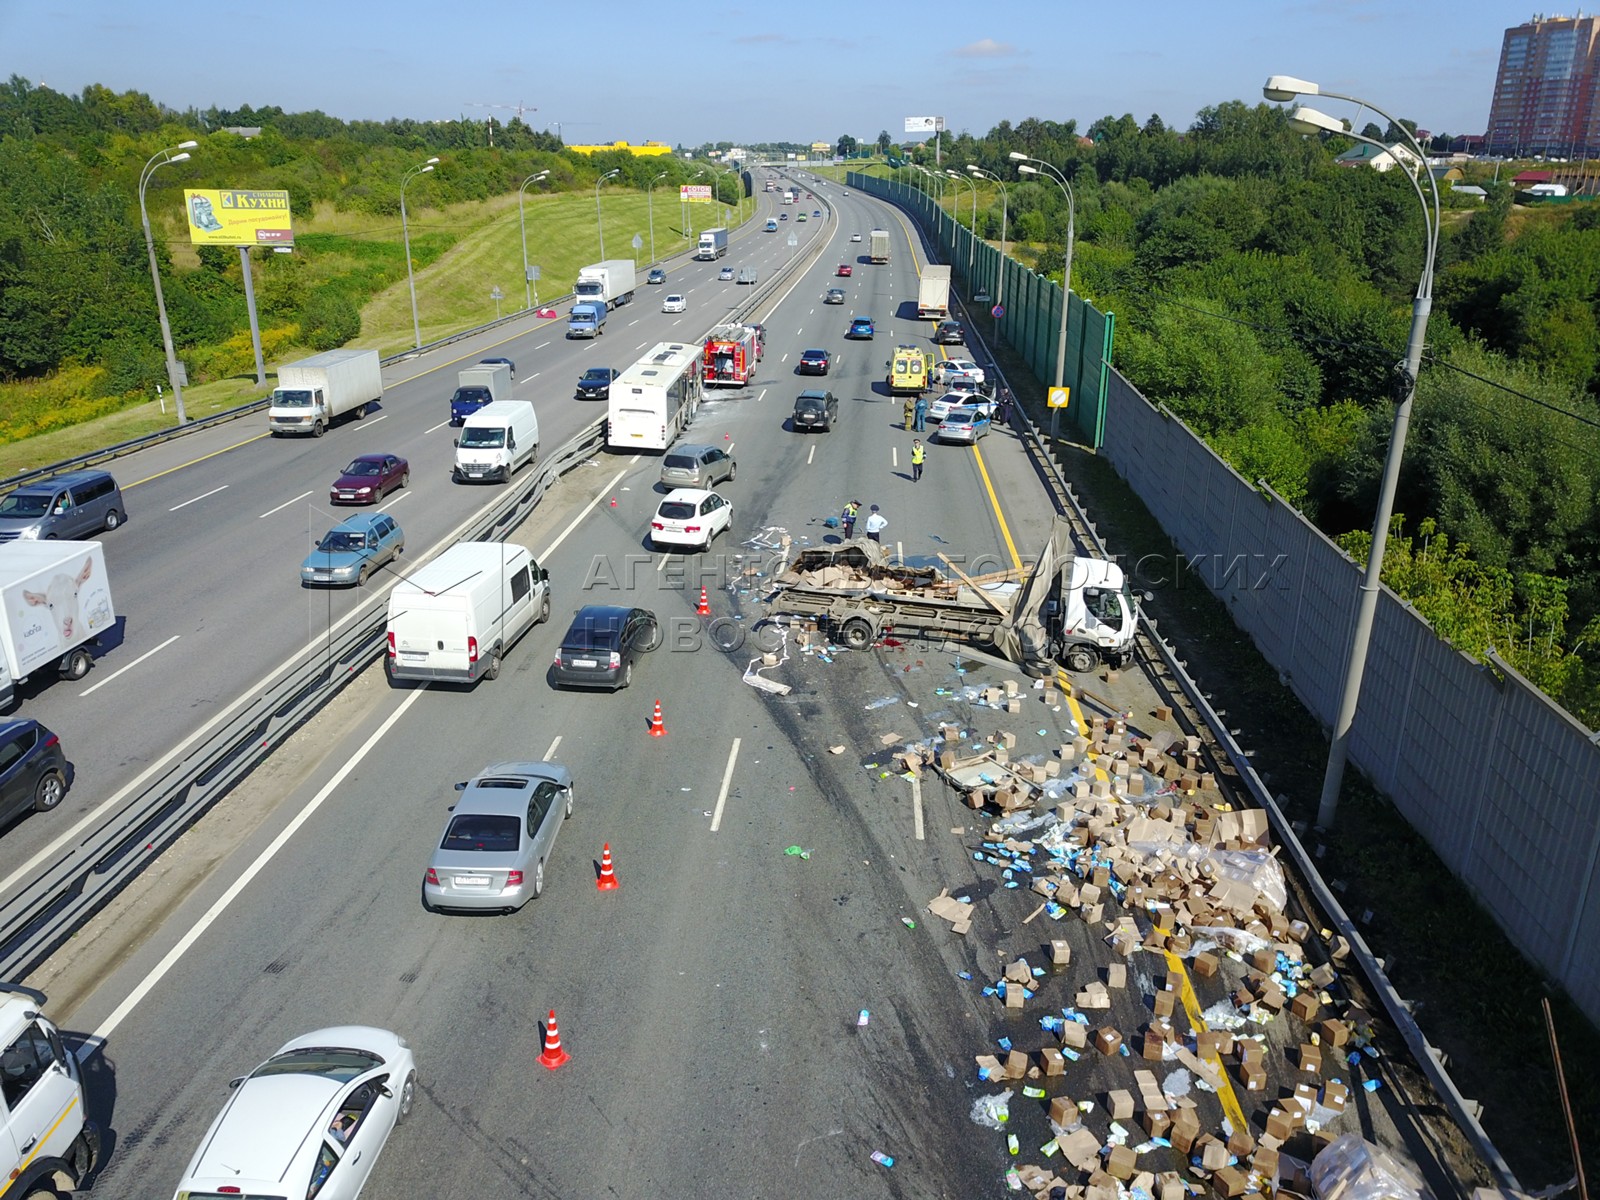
(845, 147)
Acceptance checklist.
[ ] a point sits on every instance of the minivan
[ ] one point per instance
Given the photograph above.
(455, 618)
(70, 506)
(496, 440)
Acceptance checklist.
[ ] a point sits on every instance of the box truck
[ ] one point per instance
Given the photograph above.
(496, 440)
(455, 618)
(586, 320)
(610, 283)
(933, 293)
(57, 607)
(47, 1143)
(314, 392)
(878, 245)
(713, 244)
(477, 386)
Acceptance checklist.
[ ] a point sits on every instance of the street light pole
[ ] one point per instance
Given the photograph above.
(1066, 277)
(157, 161)
(650, 201)
(1308, 120)
(527, 284)
(972, 242)
(1005, 206)
(405, 233)
(598, 219)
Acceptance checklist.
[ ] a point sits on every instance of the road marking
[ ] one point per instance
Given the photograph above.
(193, 461)
(894, 452)
(784, 359)
(762, 396)
(812, 454)
(375, 420)
(185, 943)
(535, 375)
(198, 498)
(634, 322)
(994, 501)
(283, 506)
(393, 500)
(722, 796)
(641, 345)
(440, 425)
(131, 665)
(551, 548)
(661, 564)
(916, 805)
(551, 753)
(900, 552)
(541, 345)
(1191, 1007)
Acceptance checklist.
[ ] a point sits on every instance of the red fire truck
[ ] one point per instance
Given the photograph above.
(730, 356)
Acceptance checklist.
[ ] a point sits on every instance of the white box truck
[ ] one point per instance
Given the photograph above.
(455, 618)
(315, 391)
(878, 246)
(610, 283)
(47, 1143)
(933, 292)
(57, 606)
(496, 440)
(713, 245)
(477, 386)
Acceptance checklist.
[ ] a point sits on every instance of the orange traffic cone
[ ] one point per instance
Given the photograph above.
(553, 1056)
(608, 878)
(704, 610)
(657, 729)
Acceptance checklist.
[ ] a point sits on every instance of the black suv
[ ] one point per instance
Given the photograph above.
(33, 771)
(595, 383)
(949, 333)
(815, 410)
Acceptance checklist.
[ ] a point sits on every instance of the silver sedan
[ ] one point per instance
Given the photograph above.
(499, 837)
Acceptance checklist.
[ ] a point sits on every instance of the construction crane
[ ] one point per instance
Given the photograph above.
(519, 109)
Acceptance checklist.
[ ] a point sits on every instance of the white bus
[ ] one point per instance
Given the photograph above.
(655, 399)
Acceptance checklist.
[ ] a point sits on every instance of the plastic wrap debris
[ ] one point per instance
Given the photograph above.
(1177, 1084)
(1223, 1015)
(1237, 940)
(753, 669)
(1353, 1169)
(1023, 822)
(992, 1112)
(1257, 869)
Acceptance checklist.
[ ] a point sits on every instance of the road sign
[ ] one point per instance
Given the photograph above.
(998, 311)
(496, 294)
(1058, 397)
(637, 241)
(533, 274)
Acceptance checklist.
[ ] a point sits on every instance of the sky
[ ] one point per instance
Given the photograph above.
(800, 71)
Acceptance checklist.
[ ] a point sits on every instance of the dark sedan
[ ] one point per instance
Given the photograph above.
(369, 478)
(815, 410)
(602, 644)
(595, 383)
(814, 362)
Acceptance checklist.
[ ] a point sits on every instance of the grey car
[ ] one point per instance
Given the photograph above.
(696, 467)
(499, 838)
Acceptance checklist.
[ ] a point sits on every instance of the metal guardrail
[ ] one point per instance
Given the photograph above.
(85, 877)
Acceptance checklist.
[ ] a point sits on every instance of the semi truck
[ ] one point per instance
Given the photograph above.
(58, 606)
(730, 356)
(1068, 609)
(713, 245)
(933, 293)
(477, 386)
(610, 283)
(878, 246)
(314, 392)
(586, 320)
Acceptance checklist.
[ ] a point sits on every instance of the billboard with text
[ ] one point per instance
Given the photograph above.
(694, 193)
(236, 217)
(924, 124)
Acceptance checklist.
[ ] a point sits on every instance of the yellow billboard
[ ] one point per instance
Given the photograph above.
(233, 217)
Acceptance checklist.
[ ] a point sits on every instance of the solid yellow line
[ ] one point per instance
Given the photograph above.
(994, 501)
(1191, 1007)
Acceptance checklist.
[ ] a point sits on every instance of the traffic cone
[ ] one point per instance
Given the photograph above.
(657, 729)
(705, 605)
(554, 1056)
(613, 502)
(608, 878)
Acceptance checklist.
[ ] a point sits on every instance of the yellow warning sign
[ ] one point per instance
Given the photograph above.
(1059, 397)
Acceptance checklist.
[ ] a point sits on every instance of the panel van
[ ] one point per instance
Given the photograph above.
(454, 619)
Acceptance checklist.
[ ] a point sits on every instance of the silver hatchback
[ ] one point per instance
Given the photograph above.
(499, 838)
(696, 467)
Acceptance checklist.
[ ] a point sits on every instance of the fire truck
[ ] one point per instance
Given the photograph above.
(730, 356)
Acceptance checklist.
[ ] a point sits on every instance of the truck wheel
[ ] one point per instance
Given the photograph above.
(76, 663)
(317, 430)
(361, 412)
(856, 633)
(1080, 659)
(492, 671)
(49, 792)
(113, 518)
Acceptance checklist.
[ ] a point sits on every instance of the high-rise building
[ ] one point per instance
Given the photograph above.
(1545, 92)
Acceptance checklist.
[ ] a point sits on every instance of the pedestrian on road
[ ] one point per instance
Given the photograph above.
(921, 413)
(876, 524)
(848, 518)
(918, 453)
(911, 402)
(1004, 407)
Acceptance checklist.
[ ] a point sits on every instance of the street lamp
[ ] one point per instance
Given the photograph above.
(527, 282)
(1005, 205)
(160, 160)
(1022, 160)
(598, 220)
(936, 193)
(1309, 120)
(650, 201)
(972, 242)
(405, 233)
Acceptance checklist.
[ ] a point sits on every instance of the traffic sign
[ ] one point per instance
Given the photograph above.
(1058, 397)
(998, 311)
(637, 241)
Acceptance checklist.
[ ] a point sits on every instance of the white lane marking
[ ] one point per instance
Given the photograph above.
(899, 552)
(535, 375)
(541, 345)
(551, 753)
(661, 563)
(393, 500)
(812, 454)
(187, 941)
(283, 506)
(584, 512)
(375, 420)
(440, 425)
(727, 778)
(198, 498)
(634, 322)
(894, 453)
(131, 665)
(762, 396)
(916, 804)
(641, 345)
(784, 359)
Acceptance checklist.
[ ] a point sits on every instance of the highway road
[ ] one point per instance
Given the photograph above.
(711, 1003)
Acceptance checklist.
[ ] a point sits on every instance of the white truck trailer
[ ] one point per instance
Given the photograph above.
(57, 603)
(933, 293)
(878, 245)
(610, 283)
(713, 245)
(314, 392)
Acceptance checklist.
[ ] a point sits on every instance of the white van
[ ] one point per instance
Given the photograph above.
(455, 618)
(46, 1137)
(496, 440)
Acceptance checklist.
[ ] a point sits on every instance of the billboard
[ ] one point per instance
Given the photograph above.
(924, 124)
(694, 193)
(231, 217)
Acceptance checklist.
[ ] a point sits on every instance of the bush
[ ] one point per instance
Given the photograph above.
(329, 319)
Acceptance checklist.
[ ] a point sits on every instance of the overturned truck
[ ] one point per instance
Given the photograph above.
(1065, 609)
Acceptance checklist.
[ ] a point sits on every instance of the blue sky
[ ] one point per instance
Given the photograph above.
(797, 70)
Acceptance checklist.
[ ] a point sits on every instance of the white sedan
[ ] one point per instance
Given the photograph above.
(675, 303)
(946, 369)
(311, 1120)
(688, 518)
(854, 237)
(940, 408)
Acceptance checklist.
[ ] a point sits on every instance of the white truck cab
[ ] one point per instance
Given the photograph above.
(47, 1140)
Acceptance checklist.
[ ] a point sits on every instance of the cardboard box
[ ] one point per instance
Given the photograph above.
(1052, 1061)
(1205, 964)
(1016, 997)
(1249, 1051)
(1165, 1003)
(1107, 1039)
(1305, 1006)
(1335, 1096)
(1264, 1162)
(1154, 1048)
(1279, 1126)
(1063, 1111)
(1213, 1154)
(1117, 975)
(1119, 1104)
(1081, 1148)
(1207, 1042)
(1334, 1032)
(1170, 1187)
(1265, 961)
(1121, 1162)
(1016, 1064)
(1310, 1058)
(1074, 1036)
(1240, 1143)
(1155, 1122)
(1228, 1183)
(1185, 1130)
(1253, 1076)
(1060, 952)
